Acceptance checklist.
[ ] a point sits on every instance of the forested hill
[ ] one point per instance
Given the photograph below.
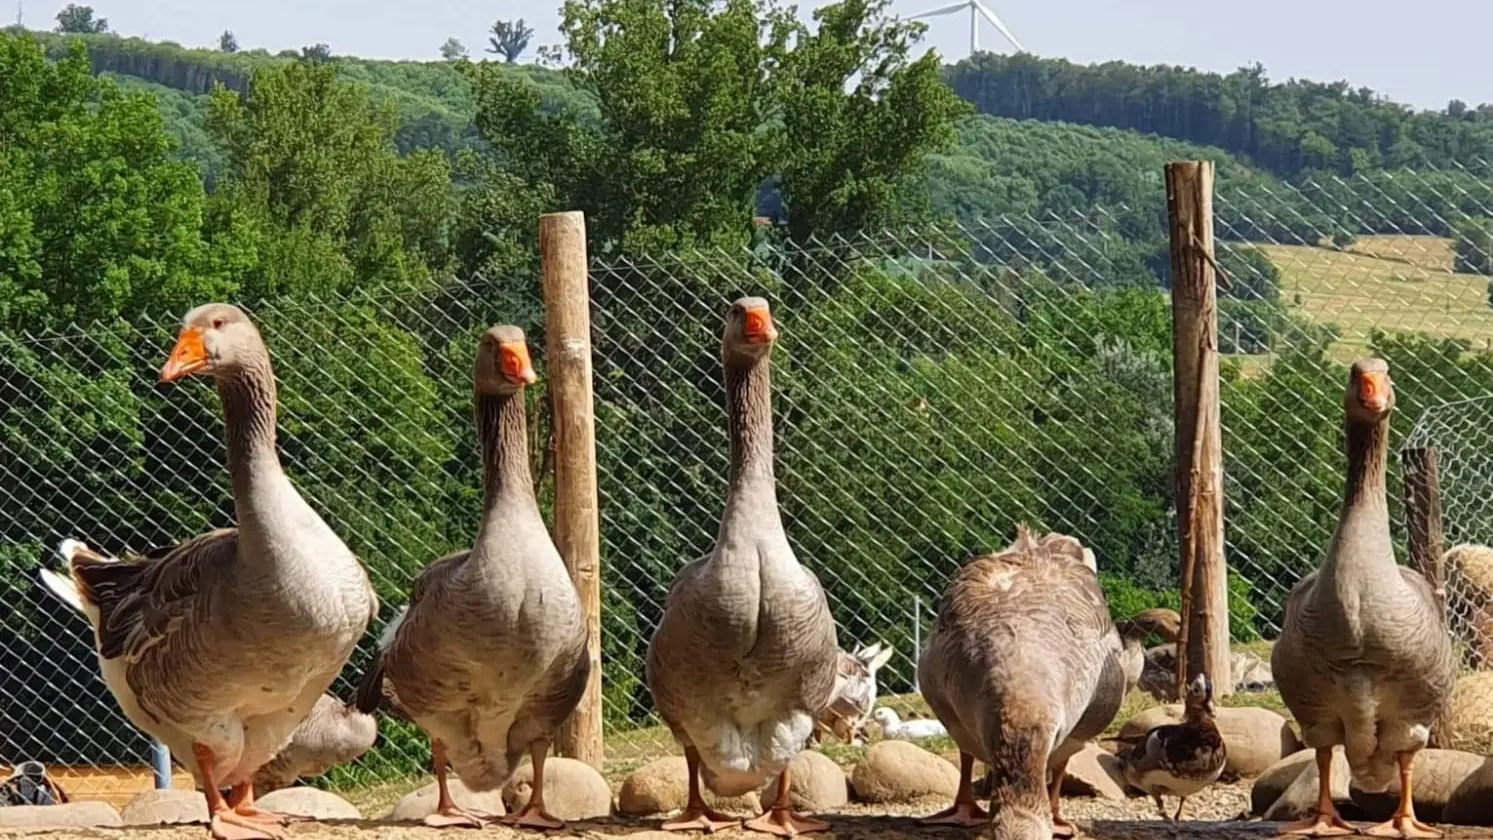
(1286, 128)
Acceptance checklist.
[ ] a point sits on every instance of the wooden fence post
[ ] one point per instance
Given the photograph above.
(567, 307)
(1199, 482)
(1423, 518)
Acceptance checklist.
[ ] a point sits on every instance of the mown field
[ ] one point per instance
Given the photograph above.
(1388, 282)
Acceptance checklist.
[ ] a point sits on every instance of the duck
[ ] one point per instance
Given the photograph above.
(854, 694)
(895, 729)
(745, 656)
(1022, 667)
(491, 655)
(1364, 659)
(220, 646)
(334, 733)
(1179, 759)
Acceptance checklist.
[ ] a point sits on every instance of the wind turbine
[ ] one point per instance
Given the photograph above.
(977, 10)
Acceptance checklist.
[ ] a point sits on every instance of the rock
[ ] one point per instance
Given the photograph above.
(309, 802)
(1439, 774)
(1472, 709)
(1300, 797)
(816, 783)
(71, 815)
(573, 790)
(1257, 738)
(662, 786)
(1472, 802)
(1274, 781)
(900, 771)
(1094, 772)
(418, 804)
(165, 807)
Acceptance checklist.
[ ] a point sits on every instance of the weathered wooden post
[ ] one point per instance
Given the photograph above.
(1199, 481)
(567, 307)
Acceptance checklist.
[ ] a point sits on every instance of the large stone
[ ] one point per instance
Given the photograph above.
(1438, 774)
(1256, 738)
(815, 783)
(662, 786)
(1094, 772)
(172, 806)
(1472, 802)
(1299, 799)
(418, 804)
(900, 771)
(573, 790)
(1274, 781)
(70, 815)
(1472, 709)
(309, 802)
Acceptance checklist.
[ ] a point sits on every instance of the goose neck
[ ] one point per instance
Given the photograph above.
(502, 434)
(1368, 451)
(749, 419)
(249, 401)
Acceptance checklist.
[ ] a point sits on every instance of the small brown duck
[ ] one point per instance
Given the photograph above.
(1179, 759)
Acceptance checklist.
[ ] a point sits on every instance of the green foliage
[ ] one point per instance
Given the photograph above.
(1287, 128)
(315, 197)
(96, 218)
(453, 50)
(227, 42)
(1473, 245)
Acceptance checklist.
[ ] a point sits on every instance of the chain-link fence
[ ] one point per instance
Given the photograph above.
(932, 389)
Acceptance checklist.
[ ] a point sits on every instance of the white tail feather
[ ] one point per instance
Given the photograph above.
(386, 637)
(63, 588)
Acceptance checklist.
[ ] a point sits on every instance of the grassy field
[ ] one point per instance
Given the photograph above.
(1388, 282)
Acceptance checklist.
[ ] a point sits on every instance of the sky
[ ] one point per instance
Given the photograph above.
(1423, 53)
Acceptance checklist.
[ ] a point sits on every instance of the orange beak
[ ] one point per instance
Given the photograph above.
(759, 326)
(1373, 391)
(187, 357)
(516, 364)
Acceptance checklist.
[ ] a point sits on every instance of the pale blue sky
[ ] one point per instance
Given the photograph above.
(1424, 52)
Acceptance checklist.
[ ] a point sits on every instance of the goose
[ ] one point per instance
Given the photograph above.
(1364, 659)
(490, 656)
(896, 729)
(1179, 759)
(334, 733)
(1022, 667)
(220, 646)
(745, 655)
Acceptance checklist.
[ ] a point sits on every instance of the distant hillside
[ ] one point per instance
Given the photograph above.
(1287, 128)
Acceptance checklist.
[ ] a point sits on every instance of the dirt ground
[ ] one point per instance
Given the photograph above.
(1215, 814)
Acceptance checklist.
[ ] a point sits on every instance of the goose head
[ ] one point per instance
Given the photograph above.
(215, 338)
(1370, 395)
(503, 364)
(750, 331)
(886, 718)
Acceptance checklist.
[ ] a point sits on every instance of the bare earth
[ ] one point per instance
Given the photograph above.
(1215, 814)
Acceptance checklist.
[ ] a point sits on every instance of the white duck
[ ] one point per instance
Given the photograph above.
(895, 729)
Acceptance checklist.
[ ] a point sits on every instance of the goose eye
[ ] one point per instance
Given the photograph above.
(218, 323)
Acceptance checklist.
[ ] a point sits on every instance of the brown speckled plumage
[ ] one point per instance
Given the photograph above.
(1023, 666)
(491, 655)
(745, 656)
(228, 639)
(1179, 759)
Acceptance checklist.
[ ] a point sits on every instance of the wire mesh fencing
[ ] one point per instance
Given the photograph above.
(933, 387)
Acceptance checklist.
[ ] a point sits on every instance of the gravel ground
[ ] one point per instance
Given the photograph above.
(1214, 814)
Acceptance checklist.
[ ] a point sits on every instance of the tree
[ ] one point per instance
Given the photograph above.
(1473, 245)
(227, 43)
(316, 53)
(453, 50)
(79, 20)
(97, 217)
(509, 39)
(701, 103)
(316, 197)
